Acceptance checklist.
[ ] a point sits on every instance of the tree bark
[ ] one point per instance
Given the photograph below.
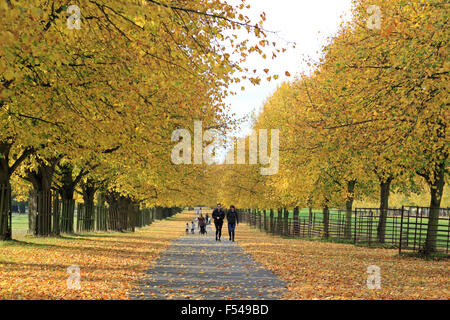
(6, 170)
(280, 221)
(271, 220)
(102, 213)
(42, 183)
(348, 209)
(436, 189)
(67, 190)
(385, 185)
(295, 220)
(89, 189)
(113, 214)
(286, 221)
(326, 221)
(310, 219)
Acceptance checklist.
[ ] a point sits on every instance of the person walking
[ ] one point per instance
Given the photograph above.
(233, 220)
(202, 224)
(218, 216)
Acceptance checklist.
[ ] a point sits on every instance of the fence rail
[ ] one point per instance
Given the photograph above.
(405, 228)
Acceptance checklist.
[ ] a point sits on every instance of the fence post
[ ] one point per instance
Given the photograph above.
(356, 213)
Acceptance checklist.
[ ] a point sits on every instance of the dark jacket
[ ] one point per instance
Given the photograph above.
(218, 215)
(232, 217)
(201, 222)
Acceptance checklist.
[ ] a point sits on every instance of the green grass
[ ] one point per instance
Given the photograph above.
(19, 223)
(436, 256)
(366, 224)
(304, 213)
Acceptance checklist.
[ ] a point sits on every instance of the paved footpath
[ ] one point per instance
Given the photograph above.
(198, 267)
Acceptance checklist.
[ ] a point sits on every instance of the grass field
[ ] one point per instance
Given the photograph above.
(365, 228)
(19, 224)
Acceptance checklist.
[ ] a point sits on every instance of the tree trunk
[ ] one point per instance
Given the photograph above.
(295, 220)
(67, 190)
(5, 212)
(68, 183)
(348, 209)
(310, 220)
(102, 214)
(280, 221)
(6, 170)
(113, 214)
(271, 220)
(326, 221)
(286, 222)
(265, 220)
(89, 188)
(5, 194)
(436, 190)
(42, 182)
(385, 185)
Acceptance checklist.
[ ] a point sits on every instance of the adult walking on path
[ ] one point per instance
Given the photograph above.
(218, 216)
(202, 224)
(233, 220)
(196, 267)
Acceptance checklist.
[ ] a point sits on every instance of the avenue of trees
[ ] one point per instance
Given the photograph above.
(92, 108)
(372, 117)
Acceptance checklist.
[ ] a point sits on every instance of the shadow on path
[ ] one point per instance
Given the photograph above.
(198, 267)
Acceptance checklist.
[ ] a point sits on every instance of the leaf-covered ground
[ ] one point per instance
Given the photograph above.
(320, 270)
(110, 263)
(197, 267)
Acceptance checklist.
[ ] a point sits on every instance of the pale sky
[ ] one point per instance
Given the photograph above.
(298, 21)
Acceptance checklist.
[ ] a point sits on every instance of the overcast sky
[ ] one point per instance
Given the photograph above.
(308, 23)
